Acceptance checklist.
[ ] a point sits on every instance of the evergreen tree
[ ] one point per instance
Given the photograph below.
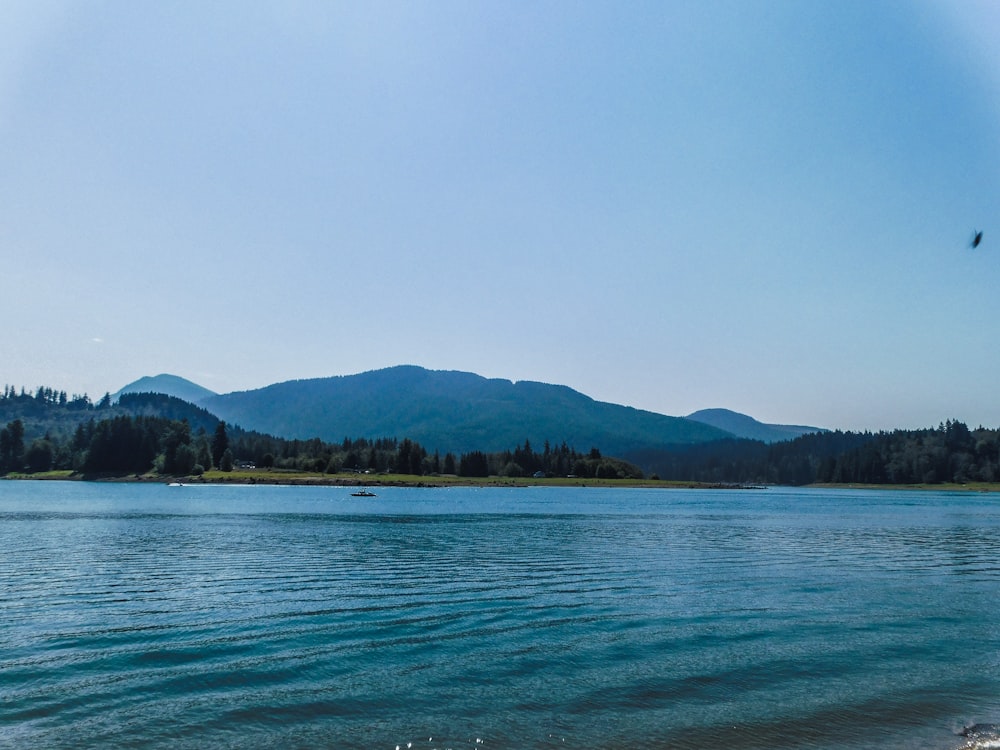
(204, 451)
(176, 435)
(12, 446)
(185, 459)
(404, 459)
(220, 443)
(40, 456)
(474, 464)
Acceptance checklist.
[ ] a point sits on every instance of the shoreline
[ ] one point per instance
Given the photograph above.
(308, 479)
(280, 477)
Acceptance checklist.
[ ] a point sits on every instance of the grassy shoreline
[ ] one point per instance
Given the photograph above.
(302, 478)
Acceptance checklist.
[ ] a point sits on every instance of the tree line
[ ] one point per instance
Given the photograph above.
(126, 444)
(118, 445)
(45, 396)
(140, 433)
(949, 453)
(148, 432)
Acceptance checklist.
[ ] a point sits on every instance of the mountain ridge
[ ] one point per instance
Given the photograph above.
(451, 411)
(448, 410)
(169, 385)
(744, 426)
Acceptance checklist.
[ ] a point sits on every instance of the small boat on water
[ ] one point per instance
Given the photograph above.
(363, 492)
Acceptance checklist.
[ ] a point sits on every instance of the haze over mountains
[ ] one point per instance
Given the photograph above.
(747, 427)
(457, 412)
(171, 385)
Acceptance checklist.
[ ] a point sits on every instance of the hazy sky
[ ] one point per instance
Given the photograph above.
(763, 206)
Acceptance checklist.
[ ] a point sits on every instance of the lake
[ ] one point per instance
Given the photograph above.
(150, 616)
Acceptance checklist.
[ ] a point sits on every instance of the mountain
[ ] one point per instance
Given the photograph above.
(52, 417)
(451, 411)
(747, 427)
(164, 406)
(171, 385)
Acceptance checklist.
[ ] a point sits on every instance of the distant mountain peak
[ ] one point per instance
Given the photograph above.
(745, 426)
(457, 411)
(171, 385)
(452, 411)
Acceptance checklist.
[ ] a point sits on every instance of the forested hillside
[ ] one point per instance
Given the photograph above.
(145, 432)
(171, 385)
(153, 432)
(48, 430)
(452, 411)
(949, 453)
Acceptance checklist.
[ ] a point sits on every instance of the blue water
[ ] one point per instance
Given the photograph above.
(277, 617)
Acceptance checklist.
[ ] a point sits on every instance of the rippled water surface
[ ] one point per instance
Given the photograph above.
(258, 617)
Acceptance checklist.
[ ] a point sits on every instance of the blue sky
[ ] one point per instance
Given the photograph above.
(762, 206)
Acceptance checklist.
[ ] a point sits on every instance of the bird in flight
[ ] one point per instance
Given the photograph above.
(977, 238)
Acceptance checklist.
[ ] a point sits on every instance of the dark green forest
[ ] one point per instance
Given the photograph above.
(453, 411)
(950, 453)
(141, 433)
(144, 432)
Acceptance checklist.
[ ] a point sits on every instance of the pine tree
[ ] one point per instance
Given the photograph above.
(220, 443)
